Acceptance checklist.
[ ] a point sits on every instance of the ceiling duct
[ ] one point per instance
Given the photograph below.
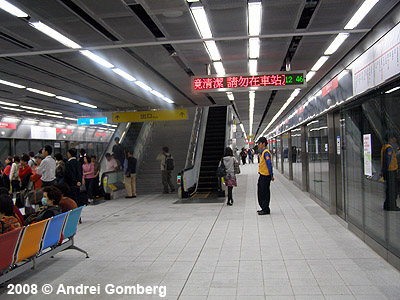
(88, 19)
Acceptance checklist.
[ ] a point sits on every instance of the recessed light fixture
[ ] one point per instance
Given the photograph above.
(55, 35)
(40, 92)
(18, 86)
(200, 18)
(13, 10)
(97, 59)
(360, 14)
(87, 105)
(67, 99)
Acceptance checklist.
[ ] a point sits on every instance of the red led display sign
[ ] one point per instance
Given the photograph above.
(243, 82)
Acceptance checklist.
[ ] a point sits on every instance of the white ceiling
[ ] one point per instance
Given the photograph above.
(72, 75)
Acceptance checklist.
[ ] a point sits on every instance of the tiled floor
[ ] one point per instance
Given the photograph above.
(212, 251)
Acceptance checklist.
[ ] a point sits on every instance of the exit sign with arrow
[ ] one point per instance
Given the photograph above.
(143, 116)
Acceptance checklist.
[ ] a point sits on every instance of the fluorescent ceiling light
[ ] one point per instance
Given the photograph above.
(72, 119)
(319, 63)
(67, 99)
(313, 122)
(53, 112)
(252, 97)
(35, 113)
(392, 90)
(337, 42)
(252, 66)
(9, 104)
(310, 75)
(40, 92)
(193, 1)
(168, 100)
(360, 14)
(124, 74)
(143, 85)
(55, 35)
(254, 17)
(18, 86)
(158, 94)
(11, 9)
(230, 96)
(254, 48)
(213, 50)
(54, 116)
(200, 18)
(11, 108)
(87, 105)
(97, 59)
(31, 108)
(219, 68)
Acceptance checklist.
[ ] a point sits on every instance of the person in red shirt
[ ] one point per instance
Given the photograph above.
(6, 172)
(66, 203)
(36, 177)
(24, 168)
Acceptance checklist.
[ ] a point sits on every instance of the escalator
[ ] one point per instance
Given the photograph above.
(132, 135)
(213, 151)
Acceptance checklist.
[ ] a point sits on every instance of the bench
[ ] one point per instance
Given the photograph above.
(23, 248)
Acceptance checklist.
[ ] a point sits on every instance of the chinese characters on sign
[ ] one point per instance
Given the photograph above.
(241, 82)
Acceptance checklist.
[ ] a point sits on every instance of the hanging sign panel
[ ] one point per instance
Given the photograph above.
(92, 121)
(143, 116)
(367, 155)
(246, 82)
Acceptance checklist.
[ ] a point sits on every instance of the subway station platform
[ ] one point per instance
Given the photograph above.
(216, 252)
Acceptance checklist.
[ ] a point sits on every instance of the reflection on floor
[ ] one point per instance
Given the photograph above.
(216, 252)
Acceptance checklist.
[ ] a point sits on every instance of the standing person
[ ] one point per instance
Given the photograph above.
(35, 178)
(88, 176)
(389, 168)
(47, 167)
(111, 163)
(130, 175)
(166, 169)
(31, 162)
(24, 170)
(14, 174)
(73, 174)
(250, 153)
(230, 177)
(266, 176)
(60, 167)
(243, 155)
(6, 172)
(82, 154)
(118, 151)
(97, 169)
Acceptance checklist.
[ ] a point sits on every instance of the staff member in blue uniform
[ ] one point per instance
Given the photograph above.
(266, 176)
(389, 171)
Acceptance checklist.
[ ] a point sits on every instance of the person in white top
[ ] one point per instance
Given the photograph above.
(47, 167)
(14, 174)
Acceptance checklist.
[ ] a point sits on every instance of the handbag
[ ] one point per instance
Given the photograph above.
(236, 167)
(221, 170)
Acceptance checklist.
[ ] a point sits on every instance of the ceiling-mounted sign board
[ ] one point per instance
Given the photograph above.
(145, 116)
(246, 82)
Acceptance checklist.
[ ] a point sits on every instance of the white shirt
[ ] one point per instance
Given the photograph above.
(47, 169)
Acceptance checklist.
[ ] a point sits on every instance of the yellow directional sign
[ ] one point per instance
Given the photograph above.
(143, 116)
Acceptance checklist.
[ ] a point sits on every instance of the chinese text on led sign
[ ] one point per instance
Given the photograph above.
(241, 82)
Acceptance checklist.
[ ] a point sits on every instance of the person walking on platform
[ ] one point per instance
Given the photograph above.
(130, 175)
(265, 170)
(73, 174)
(389, 171)
(47, 167)
(243, 155)
(166, 169)
(230, 177)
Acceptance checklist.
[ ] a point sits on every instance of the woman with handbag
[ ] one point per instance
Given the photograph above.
(230, 178)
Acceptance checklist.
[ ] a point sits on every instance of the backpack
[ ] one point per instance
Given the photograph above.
(169, 163)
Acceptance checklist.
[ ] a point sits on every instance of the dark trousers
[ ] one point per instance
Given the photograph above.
(48, 183)
(263, 192)
(390, 178)
(230, 190)
(244, 160)
(166, 180)
(89, 182)
(74, 194)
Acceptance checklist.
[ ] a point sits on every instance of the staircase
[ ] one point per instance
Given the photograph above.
(213, 150)
(132, 135)
(173, 134)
